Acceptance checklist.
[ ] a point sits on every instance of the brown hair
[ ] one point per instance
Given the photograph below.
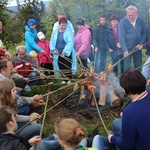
(69, 131)
(6, 98)
(114, 17)
(3, 64)
(133, 82)
(62, 20)
(5, 117)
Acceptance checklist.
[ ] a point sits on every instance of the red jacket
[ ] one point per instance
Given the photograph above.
(45, 46)
(24, 67)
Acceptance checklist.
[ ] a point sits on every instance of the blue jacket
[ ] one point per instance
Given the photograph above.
(30, 40)
(130, 36)
(135, 126)
(69, 48)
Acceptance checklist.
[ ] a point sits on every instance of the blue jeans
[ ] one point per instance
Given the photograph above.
(137, 61)
(116, 58)
(146, 69)
(33, 75)
(100, 60)
(49, 143)
(24, 110)
(99, 142)
(117, 126)
(29, 131)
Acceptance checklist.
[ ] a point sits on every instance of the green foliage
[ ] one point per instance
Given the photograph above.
(93, 8)
(48, 21)
(13, 31)
(32, 9)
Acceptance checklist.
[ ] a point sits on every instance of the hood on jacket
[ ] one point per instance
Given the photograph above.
(27, 28)
(84, 28)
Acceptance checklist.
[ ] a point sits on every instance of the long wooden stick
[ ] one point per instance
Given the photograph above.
(48, 110)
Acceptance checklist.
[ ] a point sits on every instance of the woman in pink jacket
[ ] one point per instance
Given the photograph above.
(83, 41)
(45, 57)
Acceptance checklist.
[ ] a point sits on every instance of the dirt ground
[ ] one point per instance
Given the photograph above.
(85, 115)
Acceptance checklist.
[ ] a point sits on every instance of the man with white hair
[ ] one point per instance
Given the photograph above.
(26, 66)
(69, 24)
(132, 34)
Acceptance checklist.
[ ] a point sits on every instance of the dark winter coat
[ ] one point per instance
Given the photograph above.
(13, 142)
(130, 36)
(100, 37)
(147, 44)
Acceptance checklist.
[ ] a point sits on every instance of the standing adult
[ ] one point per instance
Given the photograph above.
(132, 34)
(31, 37)
(100, 44)
(69, 24)
(115, 51)
(62, 47)
(83, 41)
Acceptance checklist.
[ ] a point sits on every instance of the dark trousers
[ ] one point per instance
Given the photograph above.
(100, 60)
(48, 66)
(65, 65)
(116, 58)
(137, 61)
(84, 62)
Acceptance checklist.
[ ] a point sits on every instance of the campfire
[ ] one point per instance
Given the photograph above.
(106, 88)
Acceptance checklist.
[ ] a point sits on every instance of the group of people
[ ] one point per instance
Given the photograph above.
(130, 131)
(124, 39)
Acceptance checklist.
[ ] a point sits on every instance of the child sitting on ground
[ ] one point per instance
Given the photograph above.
(34, 55)
(69, 133)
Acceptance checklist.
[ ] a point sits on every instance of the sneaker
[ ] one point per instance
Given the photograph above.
(63, 82)
(69, 82)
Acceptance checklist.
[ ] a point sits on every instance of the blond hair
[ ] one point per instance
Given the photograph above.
(33, 54)
(70, 131)
(6, 98)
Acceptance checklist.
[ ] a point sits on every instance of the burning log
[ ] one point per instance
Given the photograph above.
(113, 99)
(102, 97)
(82, 92)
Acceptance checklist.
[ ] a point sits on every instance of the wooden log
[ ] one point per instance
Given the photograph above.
(102, 97)
(113, 99)
(82, 92)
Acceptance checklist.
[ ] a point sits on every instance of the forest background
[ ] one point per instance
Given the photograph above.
(46, 16)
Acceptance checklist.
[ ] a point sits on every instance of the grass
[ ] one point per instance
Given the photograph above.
(49, 128)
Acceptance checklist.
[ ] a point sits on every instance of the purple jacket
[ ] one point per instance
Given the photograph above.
(83, 41)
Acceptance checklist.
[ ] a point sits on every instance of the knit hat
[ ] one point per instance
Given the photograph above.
(31, 22)
(41, 35)
(80, 21)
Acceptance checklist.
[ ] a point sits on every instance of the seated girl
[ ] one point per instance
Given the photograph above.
(8, 98)
(8, 139)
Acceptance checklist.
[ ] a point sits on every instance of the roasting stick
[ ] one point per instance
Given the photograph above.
(142, 66)
(134, 50)
(64, 87)
(100, 116)
(44, 117)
